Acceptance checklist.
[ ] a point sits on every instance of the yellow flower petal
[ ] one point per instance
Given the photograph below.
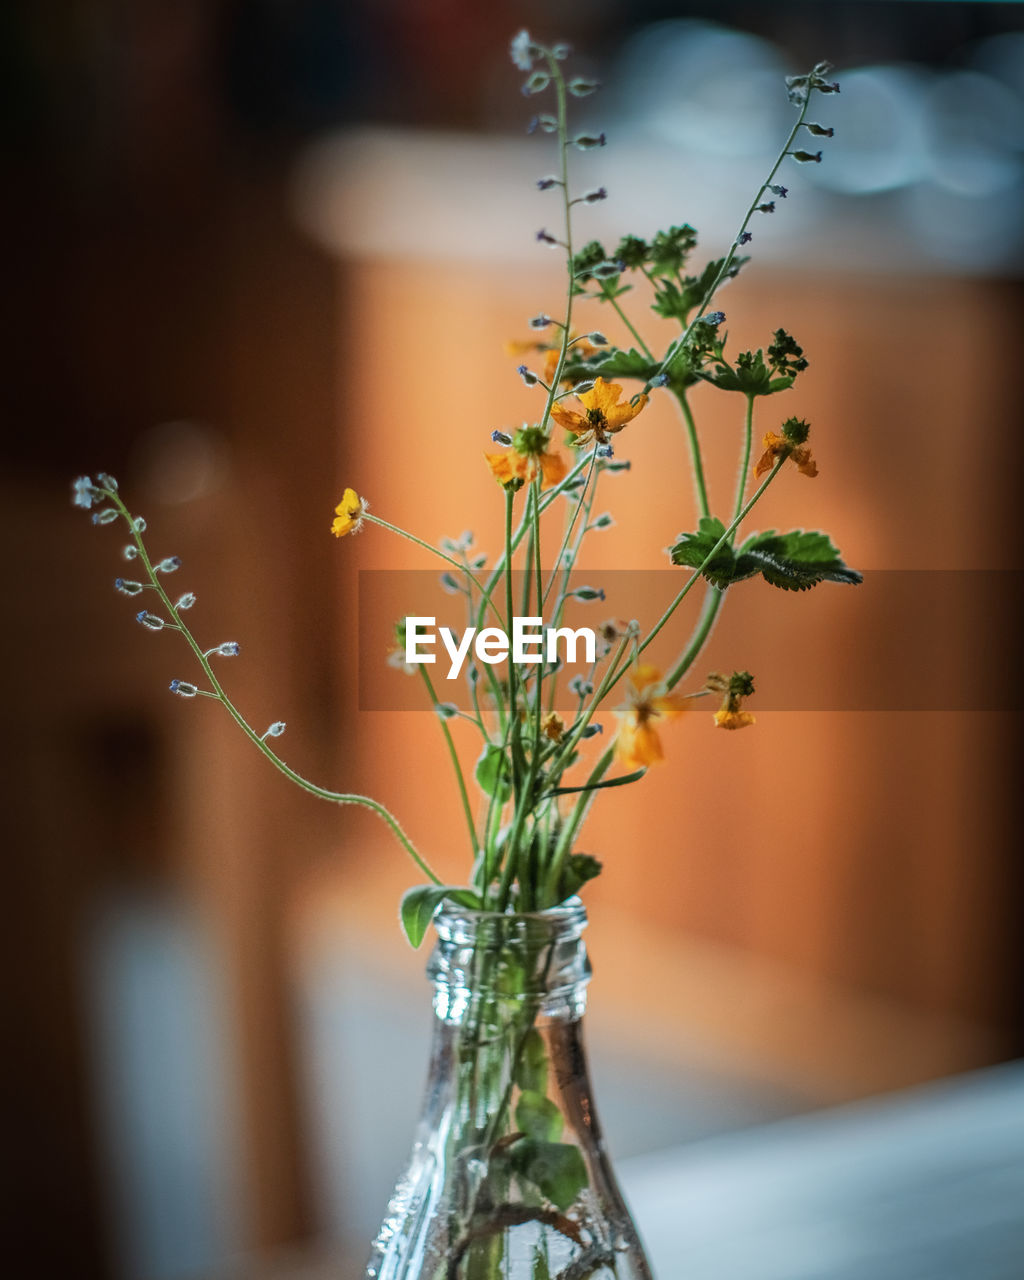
(511, 465)
(734, 719)
(773, 446)
(553, 468)
(553, 726)
(604, 413)
(348, 514)
(643, 676)
(638, 746)
(620, 414)
(603, 396)
(778, 446)
(570, 420)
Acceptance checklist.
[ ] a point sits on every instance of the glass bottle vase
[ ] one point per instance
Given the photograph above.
(508, 1178)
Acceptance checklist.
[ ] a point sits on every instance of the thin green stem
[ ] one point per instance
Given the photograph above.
(695, 451)
(569, 526)
(454, 756)
(748, 436)
(730, 257)
(563, 148)
(462, 568)
(323, 793)
(536, 568)
(713, 598)
(609, 297)
(572, 825)
(741, 515)
(611, 677)
(691, 581)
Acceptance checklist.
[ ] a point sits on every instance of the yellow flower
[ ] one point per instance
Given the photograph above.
(509, 466)
(604, 415)
(637, 744)
(727, 719)
(527, 458)
(735, 688)
(348, 514)
(778, 446)
(553, 726)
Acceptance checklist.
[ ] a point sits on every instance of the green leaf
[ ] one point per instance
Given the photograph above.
(794, 561)
(693, 549)
(672, 302)
(541, 1271)
(621, 364)
(597, 786)
(578, 869)
(531, 1071)
(676, 303)
(493, 773)
(538, 1117)
(751, 375)
(556, 1168)
(670, 249)
(420, 904)
(682, 368)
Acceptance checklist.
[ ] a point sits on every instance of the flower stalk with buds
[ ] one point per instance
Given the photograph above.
(534, 779)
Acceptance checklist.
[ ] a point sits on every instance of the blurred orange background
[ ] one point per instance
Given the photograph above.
(815, 910)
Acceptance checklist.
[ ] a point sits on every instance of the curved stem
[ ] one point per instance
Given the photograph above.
(713, 598)
(462, 568)
(748, 435)
(730, 257)
(695, 451)
(571, 523)
(454, 756)
(608, 297)
(572, 825)
(689, 584)
(323, 793)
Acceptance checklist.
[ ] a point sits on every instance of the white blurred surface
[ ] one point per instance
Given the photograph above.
(923, 1185)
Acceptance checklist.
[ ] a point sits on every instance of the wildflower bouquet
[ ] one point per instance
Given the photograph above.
(510, 1140)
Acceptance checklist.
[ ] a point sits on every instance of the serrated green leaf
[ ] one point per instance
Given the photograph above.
(538, 1117)
(693, 549)
(621, 364)
(556, 1168)
(493, 773)
(794, 561)
(808, 546)
(420, 904)
(670, 249)
(676, 303)
(672, 302)
(751, 376)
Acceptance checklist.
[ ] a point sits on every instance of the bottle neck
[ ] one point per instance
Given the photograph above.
(535, 961)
